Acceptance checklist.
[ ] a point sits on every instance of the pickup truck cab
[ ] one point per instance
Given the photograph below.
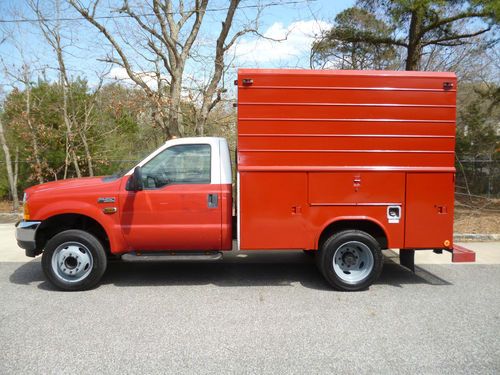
(341, 164)
(178, 198)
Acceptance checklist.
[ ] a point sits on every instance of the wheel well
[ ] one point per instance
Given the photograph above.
(59, 223)
(373, 229)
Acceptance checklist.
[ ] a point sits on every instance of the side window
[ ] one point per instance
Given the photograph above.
(181, 164)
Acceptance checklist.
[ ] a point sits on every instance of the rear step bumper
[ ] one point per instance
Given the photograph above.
(172, 256)
(460, 254)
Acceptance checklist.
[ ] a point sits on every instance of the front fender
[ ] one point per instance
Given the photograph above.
(109, 222)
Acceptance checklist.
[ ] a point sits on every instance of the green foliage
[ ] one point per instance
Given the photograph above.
(478, 123)
(349, 44)
(110, 128)
(415, 26)
(478, 139)
(116, 121)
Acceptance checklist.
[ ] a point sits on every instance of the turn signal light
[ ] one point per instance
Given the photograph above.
(26, 211)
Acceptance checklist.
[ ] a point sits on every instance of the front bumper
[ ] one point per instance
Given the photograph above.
(26, 236)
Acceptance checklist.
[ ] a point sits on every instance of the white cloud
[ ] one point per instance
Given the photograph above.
(191, 83)
(120, 74)
(290, 44)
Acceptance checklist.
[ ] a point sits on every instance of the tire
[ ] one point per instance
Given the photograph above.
(74, 260)
(350, 260)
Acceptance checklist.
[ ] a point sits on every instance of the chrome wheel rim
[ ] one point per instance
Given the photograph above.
(72, 262)
(353, 262)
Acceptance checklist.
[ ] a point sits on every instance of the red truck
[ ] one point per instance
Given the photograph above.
(339, 163)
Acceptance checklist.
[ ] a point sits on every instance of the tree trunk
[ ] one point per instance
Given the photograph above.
(174, 107)
(10, 173)
(414, 50)
(16, 166)
(83, 137)
(67, 120)
(201, 120)
(34, 139)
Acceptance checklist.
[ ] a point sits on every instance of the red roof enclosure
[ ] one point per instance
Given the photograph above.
(319, 147)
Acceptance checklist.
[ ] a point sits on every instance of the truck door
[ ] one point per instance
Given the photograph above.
(179, 208)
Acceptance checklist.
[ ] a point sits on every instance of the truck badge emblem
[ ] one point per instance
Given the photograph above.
(106, 200)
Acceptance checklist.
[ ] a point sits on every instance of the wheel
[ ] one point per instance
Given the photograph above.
(350, 260)
(74, 260)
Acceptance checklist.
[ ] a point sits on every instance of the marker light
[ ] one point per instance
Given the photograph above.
(26, 211)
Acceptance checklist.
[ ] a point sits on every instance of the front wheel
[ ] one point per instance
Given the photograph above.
(74, 260)
(350, 260)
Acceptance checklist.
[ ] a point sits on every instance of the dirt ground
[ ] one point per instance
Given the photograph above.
(472, 215)
(6, 213)
(477, 215)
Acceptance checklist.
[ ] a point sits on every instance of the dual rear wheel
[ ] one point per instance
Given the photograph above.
(350, 260)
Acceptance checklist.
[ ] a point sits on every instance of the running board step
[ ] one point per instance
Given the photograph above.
(179, 256)
(460, 254)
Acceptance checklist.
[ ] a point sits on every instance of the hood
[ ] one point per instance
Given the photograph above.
(70, 184)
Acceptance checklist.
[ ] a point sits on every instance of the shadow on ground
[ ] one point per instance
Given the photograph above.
(283, 269)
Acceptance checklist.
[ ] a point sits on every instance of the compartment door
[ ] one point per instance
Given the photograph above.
(429, 210)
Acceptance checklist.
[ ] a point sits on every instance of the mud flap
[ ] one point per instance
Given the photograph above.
(407, 259)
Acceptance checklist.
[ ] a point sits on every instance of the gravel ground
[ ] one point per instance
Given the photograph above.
(7, 218)
(251, 314)
(477, 215)
(476, 221)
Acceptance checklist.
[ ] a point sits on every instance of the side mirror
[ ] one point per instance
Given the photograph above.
(134, 183)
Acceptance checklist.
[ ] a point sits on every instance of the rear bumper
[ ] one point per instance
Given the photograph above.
(26, 236)
(460, 254)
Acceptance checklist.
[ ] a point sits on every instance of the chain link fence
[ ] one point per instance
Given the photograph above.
(478, 177)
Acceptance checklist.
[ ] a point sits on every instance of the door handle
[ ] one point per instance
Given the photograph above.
(213, 200)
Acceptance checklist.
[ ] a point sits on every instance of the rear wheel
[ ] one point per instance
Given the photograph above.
(74, 260)
(350, 260)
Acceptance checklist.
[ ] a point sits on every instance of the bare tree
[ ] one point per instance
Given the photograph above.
(52, 35)
(84, 128)
(25, 79)
(10, 173)
(169, 36)
(23, 74)
(165, 40)
(209, 102)
(211, 90)
(33, 130)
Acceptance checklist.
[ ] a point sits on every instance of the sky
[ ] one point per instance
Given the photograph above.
(288, 28)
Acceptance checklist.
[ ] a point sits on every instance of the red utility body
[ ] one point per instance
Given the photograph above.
(317, 147)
